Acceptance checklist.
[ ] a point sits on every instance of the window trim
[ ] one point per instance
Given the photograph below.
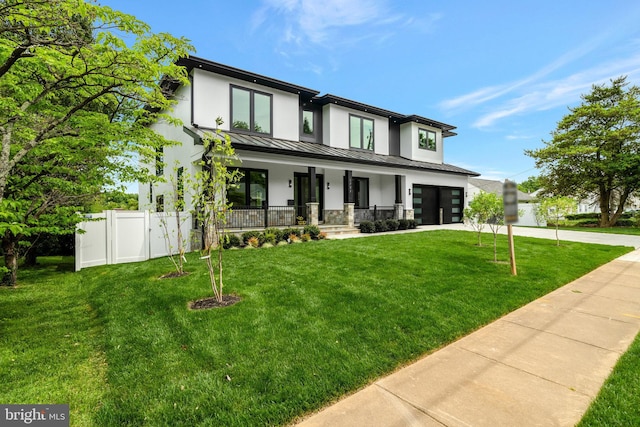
(251, 123)
(373, 128)
(311, 135)
(435, 140)
(355, 194)
(246, 172)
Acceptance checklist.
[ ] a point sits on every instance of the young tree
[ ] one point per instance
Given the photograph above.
(481, 210)
(595, 151)
(553, 209)
(178, 259)
(75, 105)
(210, 194)
(486, 209)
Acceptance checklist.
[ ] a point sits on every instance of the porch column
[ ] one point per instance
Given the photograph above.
(349, 214)
(398, 211)
(312, 187)
(312, 208)
(349, 196)
(398, 189)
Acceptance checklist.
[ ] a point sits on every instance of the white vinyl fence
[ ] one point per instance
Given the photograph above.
(115, 237)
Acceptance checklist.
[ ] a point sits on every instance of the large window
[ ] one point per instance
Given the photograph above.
(251, 190)
(250, 110)
(360, 133)
(426, 139)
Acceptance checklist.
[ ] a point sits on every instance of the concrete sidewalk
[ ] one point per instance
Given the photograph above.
(541, 365)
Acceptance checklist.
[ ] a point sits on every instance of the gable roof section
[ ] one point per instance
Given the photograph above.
(495, 187)
(264, 144)
(307, 94)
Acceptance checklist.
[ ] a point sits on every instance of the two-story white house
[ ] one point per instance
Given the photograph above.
(323, 158)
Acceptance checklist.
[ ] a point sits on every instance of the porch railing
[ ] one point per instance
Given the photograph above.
(373, 213)
(242, 217)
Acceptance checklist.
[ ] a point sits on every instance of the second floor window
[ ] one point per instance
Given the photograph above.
(361, 133)
(250, 111)
(307, 122)
(426, 139)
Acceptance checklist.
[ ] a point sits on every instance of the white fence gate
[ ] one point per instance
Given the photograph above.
(115, 237)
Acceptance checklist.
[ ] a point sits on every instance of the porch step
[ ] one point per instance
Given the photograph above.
(332, 230)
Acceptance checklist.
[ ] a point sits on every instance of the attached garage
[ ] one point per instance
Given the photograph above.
(437, 205)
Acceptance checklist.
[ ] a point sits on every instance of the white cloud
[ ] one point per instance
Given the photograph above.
(319, 22)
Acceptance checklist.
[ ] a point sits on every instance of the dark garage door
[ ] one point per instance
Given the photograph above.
(429, 201)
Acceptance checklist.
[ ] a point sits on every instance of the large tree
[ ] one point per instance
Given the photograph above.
(595, 151)
(79, 86)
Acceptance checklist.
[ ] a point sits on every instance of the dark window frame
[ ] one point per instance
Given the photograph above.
(246, 175)
(160, 203)
(251, 124)
(361, 142)
(356, 190)
(160, 161)
(313, 132)
(426, 143)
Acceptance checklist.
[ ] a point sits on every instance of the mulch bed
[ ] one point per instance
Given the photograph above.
(173, 274)
(211, 302)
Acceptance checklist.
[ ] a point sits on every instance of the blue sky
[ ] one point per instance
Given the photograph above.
(503, 72)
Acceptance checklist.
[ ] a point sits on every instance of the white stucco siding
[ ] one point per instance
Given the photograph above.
(409, 144)
(336, 128)
(212, 99)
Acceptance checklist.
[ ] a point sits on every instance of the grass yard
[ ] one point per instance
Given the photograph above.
(316, 321)
(634, 231)
(618, 403)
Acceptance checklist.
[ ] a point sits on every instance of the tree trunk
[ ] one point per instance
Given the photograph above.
(604, 207)
(10, 249)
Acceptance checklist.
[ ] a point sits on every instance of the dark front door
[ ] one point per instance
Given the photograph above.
(426, 205)
(302, 194)
(437, 205)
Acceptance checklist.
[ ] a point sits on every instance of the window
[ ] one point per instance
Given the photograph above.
(250, 111)
(159, 161)
(160, 203)
(427, 139)
(361, 192)
(360, 133)
(307, 123)
(251, 190)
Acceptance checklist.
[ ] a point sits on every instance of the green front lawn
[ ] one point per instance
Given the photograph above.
(316, 321)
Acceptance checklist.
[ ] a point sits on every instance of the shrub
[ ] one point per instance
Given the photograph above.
(392, 224)
(380, 226)
(268, 237)
(367, 227)
(312, 230)
(305, 237)
(403, 224)
(249, 234)
(588, 215)
(322, 235)
(625, 222)
(277, 233)
(231, 240)
(253, 241)
(287, 232)
(412, 224)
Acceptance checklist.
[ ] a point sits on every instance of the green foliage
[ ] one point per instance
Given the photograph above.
(485, 208)
(403, 224)
(380, 225)
(316, 322)
(595, 150)
(278, 234)
(109, 200)
(291, 231)
(76, 102)
(554, 209)
(231, 240)
(251, 234)
(311, 230)
(367, 227)
(412, 224)
(392, 224)
(530, 184)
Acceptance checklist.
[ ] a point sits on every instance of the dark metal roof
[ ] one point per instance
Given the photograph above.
(320, 151)
(194, 62)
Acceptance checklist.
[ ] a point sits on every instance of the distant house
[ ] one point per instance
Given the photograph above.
(309, 158)
(526, 202)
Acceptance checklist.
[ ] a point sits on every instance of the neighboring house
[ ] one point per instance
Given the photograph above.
(526, 202)
(305, 157)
